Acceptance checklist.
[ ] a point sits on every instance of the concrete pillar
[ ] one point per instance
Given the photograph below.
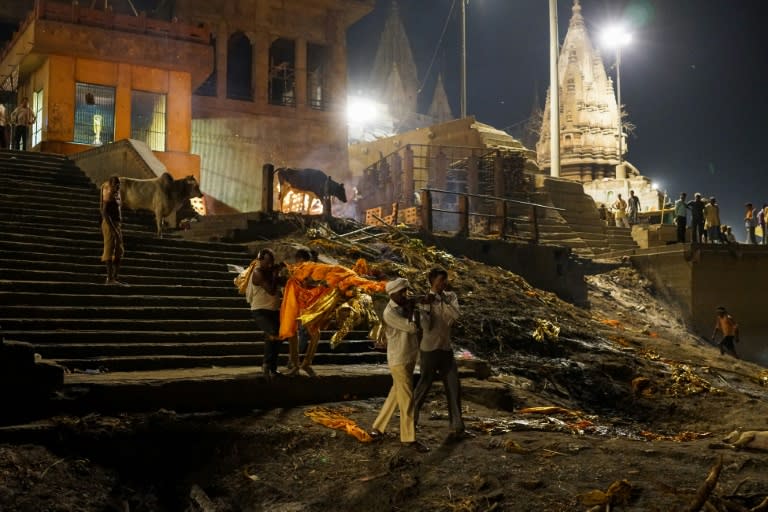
(335, 95)
(301, 74)
(395, 176)
(222, 39)
(267, 187)
(260, 67)
(473, 180)
(621, 172)
(407, 176)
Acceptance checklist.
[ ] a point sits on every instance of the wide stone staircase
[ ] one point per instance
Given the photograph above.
(179, 310)
(578, 224)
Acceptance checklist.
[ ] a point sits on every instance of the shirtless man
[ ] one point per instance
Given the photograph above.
(111, 216)
(728, 327)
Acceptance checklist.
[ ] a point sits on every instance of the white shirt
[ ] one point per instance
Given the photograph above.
(258, 297)
(402, 345)
(436, 321)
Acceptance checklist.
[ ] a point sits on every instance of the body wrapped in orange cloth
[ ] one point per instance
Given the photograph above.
(311, 295)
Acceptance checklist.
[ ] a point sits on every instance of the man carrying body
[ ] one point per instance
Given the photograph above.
(728, 327)
(439, 310)
(22, 118)
(681, 217)
(111, 216)
(263, 295)
(402, 351)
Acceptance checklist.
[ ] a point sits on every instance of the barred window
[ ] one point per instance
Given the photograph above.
(148, 119)
(94, 114)
(37, 108)
(317, 69)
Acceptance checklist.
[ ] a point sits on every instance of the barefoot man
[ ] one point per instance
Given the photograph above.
(111, 217)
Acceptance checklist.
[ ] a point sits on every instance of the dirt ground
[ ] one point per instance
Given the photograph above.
(636, 410)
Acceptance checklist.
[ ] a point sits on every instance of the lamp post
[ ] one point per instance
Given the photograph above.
(616, 37)
(554, 92)
(463, 93)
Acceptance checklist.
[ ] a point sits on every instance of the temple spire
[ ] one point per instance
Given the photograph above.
(440, 109)
(588, 129)
(394, 53)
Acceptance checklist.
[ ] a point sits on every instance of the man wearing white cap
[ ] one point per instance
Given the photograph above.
(402, 353)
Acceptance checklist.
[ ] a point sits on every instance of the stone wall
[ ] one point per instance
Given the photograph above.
(547, 267)
(699, 280)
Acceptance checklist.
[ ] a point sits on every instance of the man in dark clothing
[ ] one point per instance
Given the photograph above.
(697, 218)
(111, 216)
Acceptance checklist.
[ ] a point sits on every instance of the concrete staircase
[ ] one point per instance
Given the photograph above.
(579, 226)
(180, 309)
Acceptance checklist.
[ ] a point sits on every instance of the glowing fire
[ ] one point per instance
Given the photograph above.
(300, 202)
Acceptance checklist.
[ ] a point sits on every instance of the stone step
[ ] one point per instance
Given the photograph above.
(70, 177)
(98, 312)
(43, 338)
(140, 247)
(30, 258)
(24, 187)
(86, 221)
(120, 325)
(99, 288)
(128, 274)
(155, 362)
(356, 342)
(104, 299)
(94, 336)
(92, 267)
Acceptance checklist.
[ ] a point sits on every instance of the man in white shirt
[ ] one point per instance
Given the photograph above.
(401, 330)
(4, 142)
(439, 311)
(22, 118)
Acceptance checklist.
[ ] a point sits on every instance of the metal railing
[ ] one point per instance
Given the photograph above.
(506, 223)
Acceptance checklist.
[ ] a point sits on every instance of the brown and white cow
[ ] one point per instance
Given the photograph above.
(309, 181)
(162, 195)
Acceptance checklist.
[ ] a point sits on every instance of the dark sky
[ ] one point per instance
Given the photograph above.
(693, 79)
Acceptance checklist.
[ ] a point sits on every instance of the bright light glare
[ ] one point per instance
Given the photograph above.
(616, 36)
(362, 111)
(654, 186)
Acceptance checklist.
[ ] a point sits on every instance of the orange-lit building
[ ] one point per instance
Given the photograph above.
(93, 77)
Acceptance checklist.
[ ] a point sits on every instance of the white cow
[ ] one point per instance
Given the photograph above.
(162, 195)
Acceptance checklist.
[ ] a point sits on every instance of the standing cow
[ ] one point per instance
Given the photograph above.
(162, 195)
(313, 182)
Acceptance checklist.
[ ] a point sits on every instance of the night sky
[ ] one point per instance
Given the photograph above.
(693, 79)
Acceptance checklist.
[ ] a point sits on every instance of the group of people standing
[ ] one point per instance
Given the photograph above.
(754, 218)
(705, 220)
(15, 128)
(626, 213)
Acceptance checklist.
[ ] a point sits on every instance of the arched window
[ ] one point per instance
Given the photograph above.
(282, 69)
(239, 61)
(208, 88)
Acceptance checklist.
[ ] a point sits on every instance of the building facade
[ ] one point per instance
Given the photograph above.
(94, 76)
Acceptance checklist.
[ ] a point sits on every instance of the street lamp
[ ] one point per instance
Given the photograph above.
(617, 36)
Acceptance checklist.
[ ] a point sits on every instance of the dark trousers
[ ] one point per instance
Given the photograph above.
(5, 137)
(697, 230)
(681, 225)
(268, 321)
(439, 363)
(20, 135)
(726, 345)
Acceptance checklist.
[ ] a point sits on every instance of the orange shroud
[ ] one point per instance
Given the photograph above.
(308, 283)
